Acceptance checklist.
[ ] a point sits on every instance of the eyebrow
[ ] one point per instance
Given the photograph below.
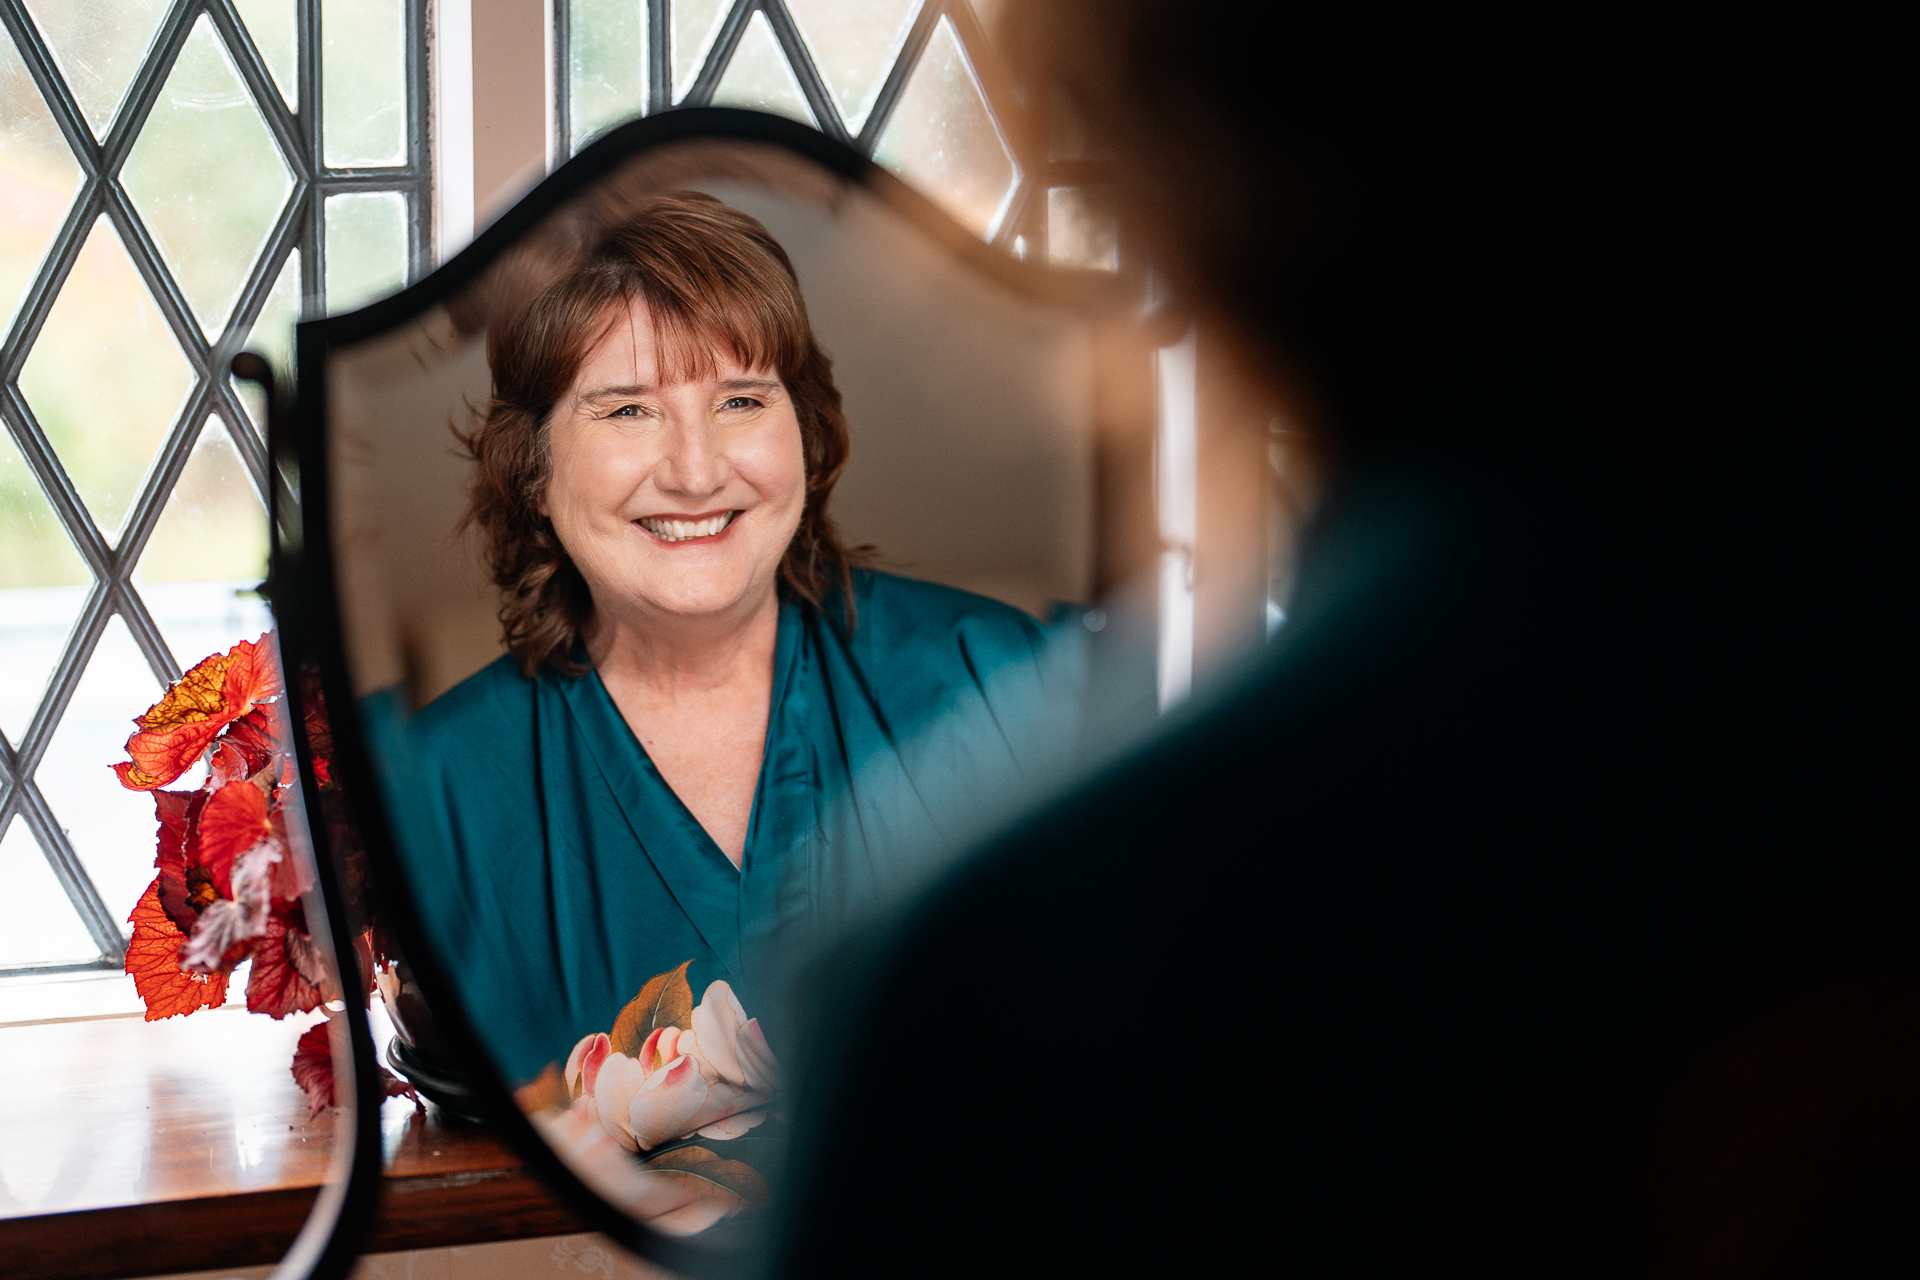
(643, 389)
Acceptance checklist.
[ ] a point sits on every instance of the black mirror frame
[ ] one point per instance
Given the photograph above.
(307, 606)
(328, 1244)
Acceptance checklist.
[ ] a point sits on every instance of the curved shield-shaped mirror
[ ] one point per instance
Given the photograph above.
(697, 564)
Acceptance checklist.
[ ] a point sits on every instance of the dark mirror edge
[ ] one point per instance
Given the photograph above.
(329, 1241)
(312, 632)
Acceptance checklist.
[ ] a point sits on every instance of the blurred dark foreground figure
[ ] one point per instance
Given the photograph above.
(1535, 904)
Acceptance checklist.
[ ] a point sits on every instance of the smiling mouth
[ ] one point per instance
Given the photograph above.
(672, 529)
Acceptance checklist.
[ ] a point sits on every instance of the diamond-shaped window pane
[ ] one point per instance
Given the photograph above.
(366, 248)
(272, 337)
(606, 65)
(201, 569)
(942, 138)
(43, 583)
(214, 526)
(111, 828)
(364, 81)
(271, 24)
(759, 78)
(38, 178)
(50, 930)
(854, 44)
(695, 24)
(105, 378)
(207, 177)
(98, 45)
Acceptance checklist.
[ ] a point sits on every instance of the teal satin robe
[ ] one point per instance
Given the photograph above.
(556, 871)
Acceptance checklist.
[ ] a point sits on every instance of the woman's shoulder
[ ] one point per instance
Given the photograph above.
(897, 610)
(491, 699)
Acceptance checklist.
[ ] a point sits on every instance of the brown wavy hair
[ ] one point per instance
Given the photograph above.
(712, 279)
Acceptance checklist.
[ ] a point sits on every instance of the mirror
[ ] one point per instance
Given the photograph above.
(607, 853)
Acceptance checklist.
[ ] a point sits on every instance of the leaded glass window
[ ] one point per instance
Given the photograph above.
(915, 84)
(179, 180)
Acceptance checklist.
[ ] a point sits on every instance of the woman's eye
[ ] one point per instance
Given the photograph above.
(740, 402)
(626, 411)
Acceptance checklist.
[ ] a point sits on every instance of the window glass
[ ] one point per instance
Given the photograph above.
(902, 81)
(208, 553)
(38, 178)
(272, 337)
(207, 178)
(106, 429)
(943, 139)
(110, 828)
(125, 397)
(695, 24)
(98, 45)
(366, 247)
(43, 582)
(364, 82)
(854, 45)
(271, 24)
(51, 930)
(606, 66)
(759, 78)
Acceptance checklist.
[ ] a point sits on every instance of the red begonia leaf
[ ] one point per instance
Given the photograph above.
(176, 730)
(313, 714)
(313, 1070)
(313, 1066)
(395, 1087)
(304, 954)
(182, 894)
(170, 811)
(153, 958)
(255, 739)
(233, 821)
(371, 957)
(287, 977)
(224, 764)
(291, 875)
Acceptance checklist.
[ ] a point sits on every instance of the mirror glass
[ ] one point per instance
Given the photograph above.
(623, 834)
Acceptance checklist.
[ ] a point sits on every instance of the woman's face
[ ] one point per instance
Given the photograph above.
(676, 500)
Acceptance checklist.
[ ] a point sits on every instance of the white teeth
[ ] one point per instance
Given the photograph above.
(668, 530)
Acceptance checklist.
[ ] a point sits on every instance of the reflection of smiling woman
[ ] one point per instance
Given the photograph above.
(676, 482)
(712, 734)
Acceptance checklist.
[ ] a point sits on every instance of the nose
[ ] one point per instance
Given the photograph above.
(693, 465)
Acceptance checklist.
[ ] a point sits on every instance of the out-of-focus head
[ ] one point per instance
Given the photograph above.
(664, 433)
(1360, 199)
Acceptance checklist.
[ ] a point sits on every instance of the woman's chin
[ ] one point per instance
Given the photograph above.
(700, 601)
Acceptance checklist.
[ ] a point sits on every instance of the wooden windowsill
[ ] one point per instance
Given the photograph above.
(130, 1148)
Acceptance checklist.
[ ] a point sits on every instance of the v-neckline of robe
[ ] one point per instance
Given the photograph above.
(786, 640)
(703, 881)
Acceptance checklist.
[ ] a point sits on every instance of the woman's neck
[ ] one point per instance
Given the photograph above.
(669, 655)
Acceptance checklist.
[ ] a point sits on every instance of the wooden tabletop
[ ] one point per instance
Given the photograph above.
(130, 1148)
